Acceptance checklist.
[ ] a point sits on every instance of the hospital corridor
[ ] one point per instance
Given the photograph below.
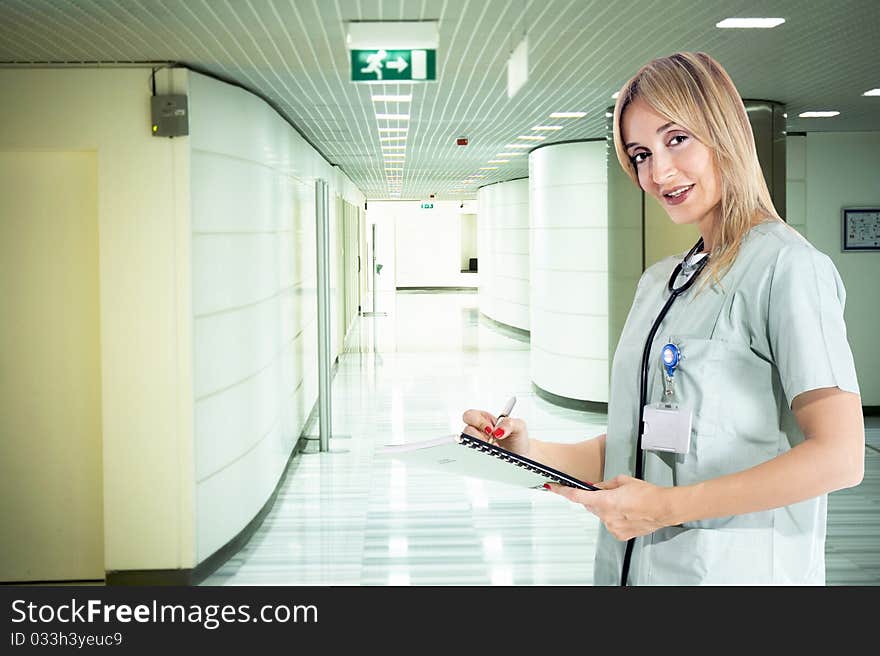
(255, 255)
(350, 517)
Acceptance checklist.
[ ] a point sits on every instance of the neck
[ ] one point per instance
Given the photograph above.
(706, 226)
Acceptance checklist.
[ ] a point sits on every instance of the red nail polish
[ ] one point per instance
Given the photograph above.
(488, 430)
(546, 486)
(499, 432)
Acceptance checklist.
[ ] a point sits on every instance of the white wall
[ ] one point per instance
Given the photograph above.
(468, 239)
(382, 214)
(427, 244)
(206, 282)
(843, 170)
(568, 201)
(795, 212)
(255, 377)
(503, 240)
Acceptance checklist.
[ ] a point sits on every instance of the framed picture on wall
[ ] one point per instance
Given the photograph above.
(861, 229)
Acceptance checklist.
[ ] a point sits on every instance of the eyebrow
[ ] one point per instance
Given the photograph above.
(659, 130)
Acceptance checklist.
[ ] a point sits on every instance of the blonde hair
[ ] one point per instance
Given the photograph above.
(694, 91)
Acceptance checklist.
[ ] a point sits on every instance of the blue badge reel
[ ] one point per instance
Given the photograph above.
(667, 424)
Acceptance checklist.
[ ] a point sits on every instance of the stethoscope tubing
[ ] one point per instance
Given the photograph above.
(674, 293)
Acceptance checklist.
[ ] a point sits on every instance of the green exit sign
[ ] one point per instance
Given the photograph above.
(393, 65)
(427, 206)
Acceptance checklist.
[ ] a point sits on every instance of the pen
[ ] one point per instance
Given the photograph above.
(505, 412)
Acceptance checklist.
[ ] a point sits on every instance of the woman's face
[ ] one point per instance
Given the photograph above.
(673, 166)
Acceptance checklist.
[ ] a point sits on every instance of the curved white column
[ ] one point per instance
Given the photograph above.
(503, 252)
(569, 270)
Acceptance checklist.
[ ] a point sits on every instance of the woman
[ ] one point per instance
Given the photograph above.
(764, 371)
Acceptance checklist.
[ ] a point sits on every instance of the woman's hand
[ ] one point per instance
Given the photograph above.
(511, 434)
(628, 507)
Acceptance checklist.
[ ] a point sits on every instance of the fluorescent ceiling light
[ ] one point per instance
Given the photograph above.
(488, 168)
(478, 176)
(498, 161)
(390, 155)
(547, 127)
(518, 67)
(750, 22)
(518, 146)
(872, 92)
(614, 95)
(392, 138)
(392, 117)
(393, 129)
(568, 114)
(387, 98)
(532, 137)
(818, 114)
(392, 147)
(392, 35)
(608, 114)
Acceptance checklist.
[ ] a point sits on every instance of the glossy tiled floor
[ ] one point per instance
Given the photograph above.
(350, 517)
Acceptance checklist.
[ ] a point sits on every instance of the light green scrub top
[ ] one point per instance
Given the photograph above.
(773, 329)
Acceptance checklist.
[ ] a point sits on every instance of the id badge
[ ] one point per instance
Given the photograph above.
(667, 428)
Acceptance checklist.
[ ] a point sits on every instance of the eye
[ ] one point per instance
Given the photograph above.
(680, 137)
(639, 157)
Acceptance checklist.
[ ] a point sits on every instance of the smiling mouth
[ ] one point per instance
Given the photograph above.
(678, 192)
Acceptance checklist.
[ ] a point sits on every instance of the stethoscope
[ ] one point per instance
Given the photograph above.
(691, 267)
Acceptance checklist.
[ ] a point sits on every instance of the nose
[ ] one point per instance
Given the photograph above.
(663, 167)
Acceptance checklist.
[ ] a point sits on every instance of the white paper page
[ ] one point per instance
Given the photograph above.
(447, 455)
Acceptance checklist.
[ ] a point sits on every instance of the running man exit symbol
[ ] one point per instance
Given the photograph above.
(393, 65)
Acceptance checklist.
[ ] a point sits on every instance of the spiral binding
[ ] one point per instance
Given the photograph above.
(497, 452)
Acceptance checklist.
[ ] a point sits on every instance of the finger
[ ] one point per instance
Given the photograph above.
(615, 482)
(501, 429)
(566, 491)
(473, 432)
(506, 426)
(479, 419)
(590, 499)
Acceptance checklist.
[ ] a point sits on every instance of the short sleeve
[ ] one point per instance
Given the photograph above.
(806, 329)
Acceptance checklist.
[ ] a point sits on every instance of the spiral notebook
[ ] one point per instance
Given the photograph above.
(470, 456)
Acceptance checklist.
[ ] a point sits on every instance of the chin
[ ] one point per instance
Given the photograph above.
(683, 219)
